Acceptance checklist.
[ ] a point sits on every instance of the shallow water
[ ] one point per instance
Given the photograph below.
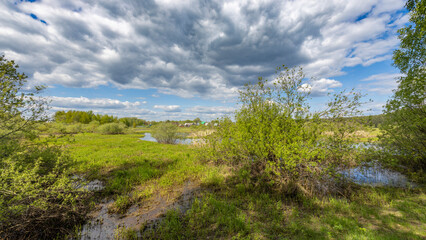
(149, 138)
(93, 186)
(376, 175)
(104, 225)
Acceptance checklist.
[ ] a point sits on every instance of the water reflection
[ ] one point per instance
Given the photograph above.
(376, 175)
(149, 138)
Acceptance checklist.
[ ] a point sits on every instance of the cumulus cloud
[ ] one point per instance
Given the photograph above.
(95, 103)
(193, 48)
(134, 109)
(212, 110)
(383, 83)
(373, 108)
(320, 87)
(169, 108)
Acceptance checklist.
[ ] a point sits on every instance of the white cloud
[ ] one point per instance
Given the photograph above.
(212, 109)
(189, 48)
(320, 87)
(383, 83)
(94, 103)
(373, 108)
(169, 108)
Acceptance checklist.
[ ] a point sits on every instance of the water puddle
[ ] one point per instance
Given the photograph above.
(376, 175)
(93, 186)
(149, 138)
(104, 225)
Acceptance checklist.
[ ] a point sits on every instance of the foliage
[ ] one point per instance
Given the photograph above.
(73, 116)
(37, 198)
(19, 108)
(230, 208)
(133, 122)
(166, 133)
(112, 128)
(405, 125)
(233, 211)
(197, 120)
(279, 142)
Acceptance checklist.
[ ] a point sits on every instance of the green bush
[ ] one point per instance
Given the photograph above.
(280, 143)
(166, 133)
(75, 128)
(38, 200)
(92, 126)
(111, 128)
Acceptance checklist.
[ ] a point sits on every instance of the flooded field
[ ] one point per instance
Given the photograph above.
(104, 225)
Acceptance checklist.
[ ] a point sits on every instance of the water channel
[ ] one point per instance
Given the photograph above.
(148, 137)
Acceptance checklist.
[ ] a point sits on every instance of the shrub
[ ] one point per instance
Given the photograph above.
(92, 126)
(74, 128)
(166, 133)
(279, 142)
(38, 200)
(111, 128)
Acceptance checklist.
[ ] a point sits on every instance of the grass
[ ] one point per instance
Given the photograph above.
(367, 135)
(239, 213)
(133, 169)
(136, 171)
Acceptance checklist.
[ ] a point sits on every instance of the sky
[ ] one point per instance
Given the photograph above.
(178, 60)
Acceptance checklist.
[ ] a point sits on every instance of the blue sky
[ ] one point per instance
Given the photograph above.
(165, 59)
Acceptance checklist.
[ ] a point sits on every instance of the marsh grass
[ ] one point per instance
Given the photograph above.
(236, 212)
(137, 172)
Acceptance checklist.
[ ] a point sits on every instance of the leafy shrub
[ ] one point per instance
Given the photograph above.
(280, 143)
(166, 133)
(92, 126)
(75, 128)
(38, 200)
(111, 128)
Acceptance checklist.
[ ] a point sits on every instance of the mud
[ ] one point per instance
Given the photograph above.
(104, 225)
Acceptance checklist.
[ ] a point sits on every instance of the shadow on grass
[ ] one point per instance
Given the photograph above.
(233, 210)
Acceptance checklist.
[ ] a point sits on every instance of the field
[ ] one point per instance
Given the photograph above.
(138, 173)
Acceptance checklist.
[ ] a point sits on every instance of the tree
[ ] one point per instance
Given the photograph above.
(276, 141)
(166, 133)
(197, 120)
(405, 123)
(19, 108)
(37, 198)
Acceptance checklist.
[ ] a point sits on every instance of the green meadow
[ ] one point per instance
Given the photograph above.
(136, 171)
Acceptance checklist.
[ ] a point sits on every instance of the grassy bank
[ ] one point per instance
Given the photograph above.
(136, 172)
(240, 213)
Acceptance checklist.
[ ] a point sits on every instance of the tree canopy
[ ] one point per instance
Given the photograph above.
(19, 107)
(405, 125)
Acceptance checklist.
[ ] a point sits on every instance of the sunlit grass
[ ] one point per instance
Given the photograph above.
(241, 213)
(135, 171)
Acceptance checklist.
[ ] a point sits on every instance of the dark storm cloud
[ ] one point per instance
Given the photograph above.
(192, 48)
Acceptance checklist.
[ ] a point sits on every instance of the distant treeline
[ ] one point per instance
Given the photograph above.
(372, 121)
(73, 116)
